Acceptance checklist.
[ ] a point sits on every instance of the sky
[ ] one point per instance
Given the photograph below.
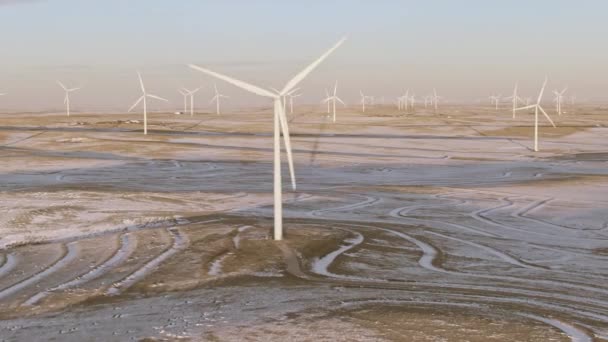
(467, 49)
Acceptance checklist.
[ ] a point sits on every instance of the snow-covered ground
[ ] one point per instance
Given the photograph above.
(449, 222)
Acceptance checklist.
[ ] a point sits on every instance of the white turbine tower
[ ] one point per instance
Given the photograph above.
(280, 125)
(144, 98)
(538, 108)
(191, 94)
(66, 99)
(515, 99)
(333, 99)
(217, 98)
(559, 99)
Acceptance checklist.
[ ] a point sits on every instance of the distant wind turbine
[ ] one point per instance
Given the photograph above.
(185, 95)
(333, 99)
(413, 103)
(363, 102)
(559, 99)
(291, 97)
(403, 101)
(538, 108)
(515, 99)
(495, 99)
(66, 99)
(144, 98)
(436, 99)
(217, 98)
(280, 125)
(191, 94)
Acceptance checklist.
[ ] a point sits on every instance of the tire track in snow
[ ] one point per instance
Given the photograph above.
(575, 334)
(180, 242)
(397, 213)
(71, 253)
(369, 200)
(128, 243)
(10, 261)
(501, 255)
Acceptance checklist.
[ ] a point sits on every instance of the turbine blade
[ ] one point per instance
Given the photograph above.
(213, 99)
(336, 88)
(340, 100)
(62, 86)
(299, 77)
(287, 140)
(542, 91)
(547, 116)
(157, 97)
(526, 107)
(136, 103)
(235, 82)
(141, 82)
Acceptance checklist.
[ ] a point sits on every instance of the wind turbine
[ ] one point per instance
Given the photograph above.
(280, 125)
(217, 98)
(291, 97)
(184, 93)
(143, 98)
(559, 98)
(66, 99)
(333, 99)
(403, 101)
(427, 100)
(538, 108)
(435, 99)
(191, 94)
(413, 102)
(364, 99)
(515, 99)
(495, 99)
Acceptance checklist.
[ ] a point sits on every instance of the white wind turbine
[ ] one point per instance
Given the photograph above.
(66, 99)
(217, 98)
(191, 94)
(538, 108)
(327, 102)
(403, 101)
(559, 99)
(515, 99)
(413, 102)
(364, 99)
(280, 125)
(144, 98)
(291, 97)
(435, 99)
(427, 100)
(184, 93)
(333, 99)
(495, 99)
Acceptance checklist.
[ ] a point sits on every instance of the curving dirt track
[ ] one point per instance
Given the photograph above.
(414, 227)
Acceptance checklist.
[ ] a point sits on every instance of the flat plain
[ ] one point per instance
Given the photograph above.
(421, 226)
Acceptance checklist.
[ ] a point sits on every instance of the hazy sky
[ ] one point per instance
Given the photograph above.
(467, 49)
